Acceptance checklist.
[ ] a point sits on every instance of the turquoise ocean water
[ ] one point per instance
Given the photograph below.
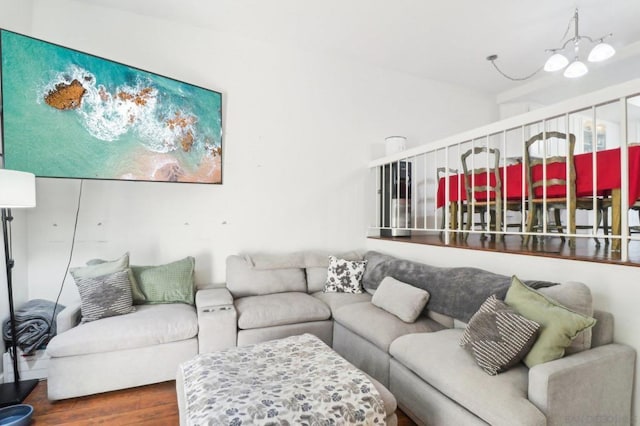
(108, 137)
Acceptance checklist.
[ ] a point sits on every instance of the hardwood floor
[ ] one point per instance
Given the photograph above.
(153, 405)
(585, 249)
(147, 405)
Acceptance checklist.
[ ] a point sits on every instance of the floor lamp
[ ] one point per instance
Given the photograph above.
(17, 190)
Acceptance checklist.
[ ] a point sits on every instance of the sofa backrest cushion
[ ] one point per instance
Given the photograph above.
(446, 320)
(244, 279)
(602, 332)
(317, 263)
(316, 279)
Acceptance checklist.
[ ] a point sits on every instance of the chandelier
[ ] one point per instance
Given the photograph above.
(568, 57)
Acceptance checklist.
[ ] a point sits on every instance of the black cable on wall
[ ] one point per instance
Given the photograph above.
(73, 243)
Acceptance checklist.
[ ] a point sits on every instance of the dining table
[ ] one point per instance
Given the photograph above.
(605, 182)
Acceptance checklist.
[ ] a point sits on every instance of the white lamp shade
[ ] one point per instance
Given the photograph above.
(576, 69)
(601, 52)
(556, 62)
(17, 189)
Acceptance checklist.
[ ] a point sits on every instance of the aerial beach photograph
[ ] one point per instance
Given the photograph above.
(70, 114)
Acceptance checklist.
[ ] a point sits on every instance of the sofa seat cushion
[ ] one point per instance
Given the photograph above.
(438, 359)
(279, 309)
(379, 326)
(338, 300)
(148, 325)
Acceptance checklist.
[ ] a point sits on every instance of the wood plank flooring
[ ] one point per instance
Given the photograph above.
(585, 249)
(147, 405)
(153, 405)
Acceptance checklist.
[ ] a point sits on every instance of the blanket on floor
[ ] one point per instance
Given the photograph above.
(34, 325)
(296, 380)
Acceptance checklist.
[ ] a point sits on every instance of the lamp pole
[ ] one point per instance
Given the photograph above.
(8, 260)
(16, 392)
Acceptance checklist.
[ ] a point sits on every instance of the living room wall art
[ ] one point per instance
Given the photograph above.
(70, 114)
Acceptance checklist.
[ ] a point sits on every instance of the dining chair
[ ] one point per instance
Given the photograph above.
(453, 206)
(633, 229)
(483, 188)
(556, 181)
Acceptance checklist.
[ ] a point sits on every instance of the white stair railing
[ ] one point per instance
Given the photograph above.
(412, 196)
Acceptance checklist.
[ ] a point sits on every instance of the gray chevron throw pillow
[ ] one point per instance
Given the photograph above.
(105, 296)
(498, 337)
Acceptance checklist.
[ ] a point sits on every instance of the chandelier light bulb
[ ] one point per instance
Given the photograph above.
(601, 52)
(556, 62)
(576, 69)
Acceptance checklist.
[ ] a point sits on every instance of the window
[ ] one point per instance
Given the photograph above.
(601, 137)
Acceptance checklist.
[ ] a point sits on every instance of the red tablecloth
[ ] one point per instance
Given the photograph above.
(607, 178)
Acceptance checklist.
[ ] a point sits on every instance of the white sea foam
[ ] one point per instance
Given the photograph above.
(107, 116)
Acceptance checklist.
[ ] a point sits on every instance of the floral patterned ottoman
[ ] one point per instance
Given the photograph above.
(296, 380)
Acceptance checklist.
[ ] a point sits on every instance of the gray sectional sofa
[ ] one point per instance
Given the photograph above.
(434, 379)
(437, 382)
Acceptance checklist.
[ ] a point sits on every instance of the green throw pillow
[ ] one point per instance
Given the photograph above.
(170, 283)
(98, 267)
(559, 325)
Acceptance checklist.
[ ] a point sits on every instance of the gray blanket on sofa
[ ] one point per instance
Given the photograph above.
(457, 292)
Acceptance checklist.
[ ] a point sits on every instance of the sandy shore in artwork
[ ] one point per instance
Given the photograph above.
(165, 167)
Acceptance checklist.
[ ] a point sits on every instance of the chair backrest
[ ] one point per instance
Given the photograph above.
(480, 181)
(442, 172)
(555, 179)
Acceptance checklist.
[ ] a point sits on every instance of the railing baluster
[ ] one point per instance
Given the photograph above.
(594, 168)
(424, 196)
(624, 181)
(446, 208)
(505, 228)
(378, 193)
(523, 193)
(544, 177)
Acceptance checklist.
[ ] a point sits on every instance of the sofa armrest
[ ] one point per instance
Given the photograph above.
(593, 386)
(213, 297)
(68, 318)
(217, 323)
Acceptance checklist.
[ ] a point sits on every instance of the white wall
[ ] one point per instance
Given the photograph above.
(299, 130)
(614, 287)
(16, 15)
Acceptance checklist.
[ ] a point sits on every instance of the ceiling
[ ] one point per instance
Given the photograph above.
(445, 40)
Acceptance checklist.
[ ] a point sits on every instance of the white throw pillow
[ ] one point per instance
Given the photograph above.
(400, 299)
